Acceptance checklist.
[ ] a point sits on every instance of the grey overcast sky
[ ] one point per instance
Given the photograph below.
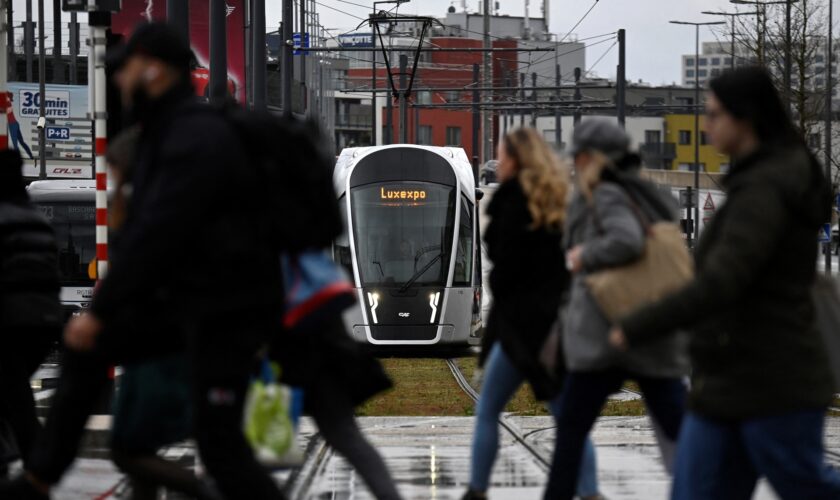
(654, 47)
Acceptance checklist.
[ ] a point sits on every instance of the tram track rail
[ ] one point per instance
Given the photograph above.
(465, 386)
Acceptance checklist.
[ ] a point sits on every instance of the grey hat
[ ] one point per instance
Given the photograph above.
(602, 135)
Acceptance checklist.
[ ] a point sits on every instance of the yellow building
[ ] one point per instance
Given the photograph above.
(679, 130)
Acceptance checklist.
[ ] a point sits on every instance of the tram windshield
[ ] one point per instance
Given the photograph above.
(74, 224)
(403, 233)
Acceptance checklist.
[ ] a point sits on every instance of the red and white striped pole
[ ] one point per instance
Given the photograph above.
(4, 76)
(98, 22)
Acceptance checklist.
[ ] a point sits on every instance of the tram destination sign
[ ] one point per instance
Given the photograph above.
(402, 194)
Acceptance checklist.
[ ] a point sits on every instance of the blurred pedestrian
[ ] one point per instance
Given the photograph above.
(152, 406)
(760, 380)
(30, 311)
(528, 281)
(604, 230)
(193, 240)
(337, 374)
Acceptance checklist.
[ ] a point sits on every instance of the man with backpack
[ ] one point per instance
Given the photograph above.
(196, 240)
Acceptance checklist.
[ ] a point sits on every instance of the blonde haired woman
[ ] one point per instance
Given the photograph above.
(528, 281)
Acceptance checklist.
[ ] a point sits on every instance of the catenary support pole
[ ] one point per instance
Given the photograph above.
(522, 98)
(218, 51)
(11, 64)
(258, 61)
(58, 62)
(74, 48)
(389, 117)
(476, 122)
(534, 100)
(403, 98)
(304, 33)
(697, 132)
(29, 43)
(621, 80)
(178, 15)
(558, 118)
(577, 97)
(288, 55)
(5, 7)
(42, 94)
(373, 86)
(829, 87)
(487, 73)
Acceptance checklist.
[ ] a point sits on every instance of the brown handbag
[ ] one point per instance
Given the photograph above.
(664, 267)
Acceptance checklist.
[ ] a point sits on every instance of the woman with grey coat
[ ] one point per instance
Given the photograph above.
(604, 229)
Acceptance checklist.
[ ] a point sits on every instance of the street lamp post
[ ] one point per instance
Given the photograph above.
(696, 217)
(732, 16)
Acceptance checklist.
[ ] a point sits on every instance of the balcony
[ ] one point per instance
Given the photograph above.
(658, 155)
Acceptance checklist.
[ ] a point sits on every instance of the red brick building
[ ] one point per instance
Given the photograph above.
(441, 126)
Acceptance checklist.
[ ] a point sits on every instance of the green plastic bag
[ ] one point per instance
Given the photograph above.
(267, 420)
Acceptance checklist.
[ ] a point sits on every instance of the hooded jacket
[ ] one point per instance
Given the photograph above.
(754, 347)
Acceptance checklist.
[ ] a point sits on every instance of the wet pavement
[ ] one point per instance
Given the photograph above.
(429, 458)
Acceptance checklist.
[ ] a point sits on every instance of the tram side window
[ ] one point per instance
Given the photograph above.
(341, 248)
(464, 253)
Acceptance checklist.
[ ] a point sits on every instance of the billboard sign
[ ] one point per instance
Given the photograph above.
(360, 40)
(69, 141)
(135, 12)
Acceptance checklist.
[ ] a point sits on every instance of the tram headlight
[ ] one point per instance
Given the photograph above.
(434, 301)
(373, 302)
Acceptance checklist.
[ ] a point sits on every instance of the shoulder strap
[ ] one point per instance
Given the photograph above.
(643, 219)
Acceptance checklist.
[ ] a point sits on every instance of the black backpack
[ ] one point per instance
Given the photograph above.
(293, 169)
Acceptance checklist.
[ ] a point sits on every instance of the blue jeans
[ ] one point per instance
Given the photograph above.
(584, 394)
(722, 460)
(501, 381)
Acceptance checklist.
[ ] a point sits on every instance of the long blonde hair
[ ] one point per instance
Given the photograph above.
(544, 179)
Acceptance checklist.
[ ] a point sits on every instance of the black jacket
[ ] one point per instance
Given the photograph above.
(528, 281)
(28, 269)
(194, 237)
(335, 371)
(754, 348)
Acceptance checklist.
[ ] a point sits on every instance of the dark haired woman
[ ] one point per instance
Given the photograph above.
(528, 281)
(761, 380)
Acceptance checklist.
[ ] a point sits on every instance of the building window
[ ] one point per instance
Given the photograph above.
(689, 61)
(653, 137)
(689, 82)
(685, 167)
(715, 72)
(685, 137)
(819, 82)
(703, 140)
(814, 141)
(727, 61)
(424, 135)
(424, 97)
(702, 73)
(453, 136)
(716, 61)
(820, 70)
(702, 61)
(689, 73)
(819, 58)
